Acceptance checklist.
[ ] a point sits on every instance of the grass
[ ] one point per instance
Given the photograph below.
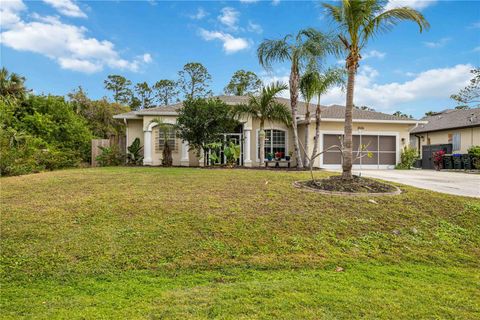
(154, 243)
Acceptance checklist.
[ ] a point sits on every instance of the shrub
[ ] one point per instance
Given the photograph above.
(407, 158)
(110, 156)
(474, 151)
(134, 155)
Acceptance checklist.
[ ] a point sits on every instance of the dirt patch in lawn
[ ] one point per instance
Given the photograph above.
(356, 186)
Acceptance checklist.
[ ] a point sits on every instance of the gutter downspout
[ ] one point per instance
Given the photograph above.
(126, 138)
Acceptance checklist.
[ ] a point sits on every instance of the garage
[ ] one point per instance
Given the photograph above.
(382, 147)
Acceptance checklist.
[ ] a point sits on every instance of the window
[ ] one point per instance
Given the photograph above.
(169, 134)
(456, 142)
(275, 141)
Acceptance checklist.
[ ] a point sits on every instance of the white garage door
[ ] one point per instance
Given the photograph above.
(382, 147)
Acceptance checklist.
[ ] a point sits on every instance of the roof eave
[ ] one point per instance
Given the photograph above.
(373, 121)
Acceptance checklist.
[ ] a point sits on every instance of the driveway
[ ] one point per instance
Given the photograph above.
(457, 183)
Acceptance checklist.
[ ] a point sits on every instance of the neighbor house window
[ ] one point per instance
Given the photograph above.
(275, 141)
(456, 142)
(167, 135)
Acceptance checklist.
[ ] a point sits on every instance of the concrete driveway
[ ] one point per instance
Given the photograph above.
(457, 183)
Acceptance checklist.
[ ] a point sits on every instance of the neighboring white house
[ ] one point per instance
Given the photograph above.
(384, 135)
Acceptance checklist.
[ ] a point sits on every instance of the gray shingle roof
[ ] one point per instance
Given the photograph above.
(328, 112)
(449, 119)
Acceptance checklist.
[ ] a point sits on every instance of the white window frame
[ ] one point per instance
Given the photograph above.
(456, 141)
(257, 144)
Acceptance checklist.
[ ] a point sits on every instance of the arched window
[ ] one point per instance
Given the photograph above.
(165, 134)
(275, 141)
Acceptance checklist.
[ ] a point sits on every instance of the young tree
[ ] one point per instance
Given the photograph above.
(358, 22)
(120, 86)
(200, 121)
(194, 81)
(242, 83)
(264, 107)
(166, 91)
(321, 83)
(306, 46)
(470, 95)
(144, 95)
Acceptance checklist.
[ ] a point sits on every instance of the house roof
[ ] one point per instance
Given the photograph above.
(334, 112)
(449, 119)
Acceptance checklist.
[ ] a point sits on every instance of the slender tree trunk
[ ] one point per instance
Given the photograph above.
(261, 137)
(293, 81)
(318, 113)
(307, 134)
(348, 154)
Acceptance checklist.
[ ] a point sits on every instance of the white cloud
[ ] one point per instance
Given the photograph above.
(431, 84)
(437, 44)
(248, 1)
(414, 4)
(275, 2)
(373, 54)
(66, 44)
(199, 15)
(67, 7)
(427, 85)
(229, 17)
(9, 13)
(230, 43)
(147, 58)
(475, 25)
(253, 27)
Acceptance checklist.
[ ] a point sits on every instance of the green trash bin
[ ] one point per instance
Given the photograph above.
(467, 162)
(457, 161)
(447, 162)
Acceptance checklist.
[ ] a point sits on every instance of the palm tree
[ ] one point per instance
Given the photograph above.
(322, 83)
(307, 46)
(358, 22)
(308, 85)
(265, 107)
(12, 84)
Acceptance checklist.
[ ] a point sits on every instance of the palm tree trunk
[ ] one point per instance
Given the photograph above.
(318, 113)
(307, 134)
(261, 137)
(347, 149)
(293, 81)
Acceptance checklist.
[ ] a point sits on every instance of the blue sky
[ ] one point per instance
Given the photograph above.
(60, 44)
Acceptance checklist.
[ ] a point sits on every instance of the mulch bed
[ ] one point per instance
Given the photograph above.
(358, 185)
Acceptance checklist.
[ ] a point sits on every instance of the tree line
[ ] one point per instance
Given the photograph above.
(193, 82)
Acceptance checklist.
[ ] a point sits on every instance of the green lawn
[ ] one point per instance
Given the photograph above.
(154, 243)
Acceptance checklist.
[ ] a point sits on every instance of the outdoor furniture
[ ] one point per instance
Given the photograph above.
(277, 163)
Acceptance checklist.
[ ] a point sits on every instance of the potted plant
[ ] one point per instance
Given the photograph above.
(269, 156)
(278, 155)
(290, 153)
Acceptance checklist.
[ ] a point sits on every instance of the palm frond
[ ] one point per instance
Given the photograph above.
(388, 19)
(270, 51)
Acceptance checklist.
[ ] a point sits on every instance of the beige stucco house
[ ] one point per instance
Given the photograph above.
(385, 135)
(455, 131)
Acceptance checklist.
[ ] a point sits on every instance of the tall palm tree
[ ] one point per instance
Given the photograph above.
(308, 45)
(265, 107)
(12, 84)
(358, 22)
